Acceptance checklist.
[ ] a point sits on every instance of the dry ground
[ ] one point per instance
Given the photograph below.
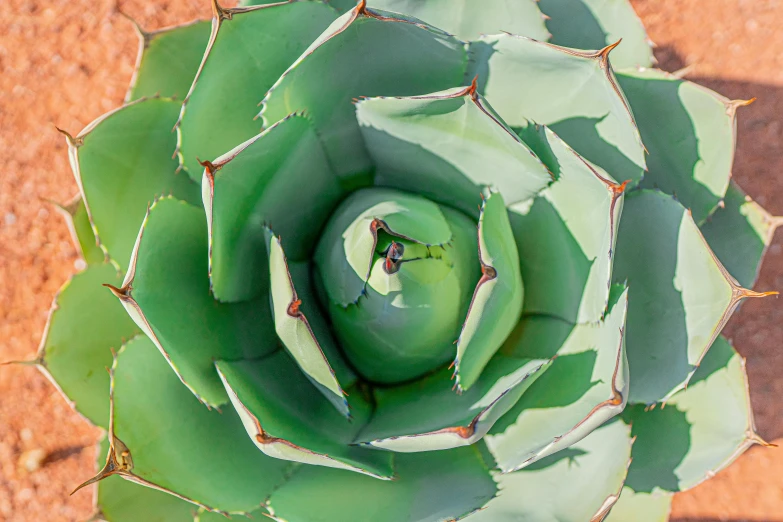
(67, 61)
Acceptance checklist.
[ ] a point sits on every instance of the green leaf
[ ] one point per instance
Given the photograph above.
(248, 50)
(448, 146)
(122, 162)
(681, 296)
(287, 418)
(699, 431)
(162, 437)
(300, 326)
(166, 291)
(690, 134)
(430, 487)
(739, 233)
(641, 507)
(585, 386)
(573, 92)
(84, 325)
(428, 415)
(120, 500)
(468, 20)
(578, 484)
(566, 236)
(280, 177)
(422, 60)
(497, 300)
(594, 24)
(78, 223)
(168, 60)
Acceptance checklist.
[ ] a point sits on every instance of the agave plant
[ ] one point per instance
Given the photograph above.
(453, 268)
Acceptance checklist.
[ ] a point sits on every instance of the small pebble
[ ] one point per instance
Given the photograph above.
(10, 218)
(31, 460)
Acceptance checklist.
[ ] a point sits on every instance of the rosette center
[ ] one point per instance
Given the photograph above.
(396, 272)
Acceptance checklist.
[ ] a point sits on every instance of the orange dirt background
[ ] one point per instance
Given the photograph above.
(65, 62)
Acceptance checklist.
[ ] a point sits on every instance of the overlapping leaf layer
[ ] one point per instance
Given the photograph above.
(452, 268)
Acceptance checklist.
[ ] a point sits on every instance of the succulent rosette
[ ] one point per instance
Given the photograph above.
(407, 261)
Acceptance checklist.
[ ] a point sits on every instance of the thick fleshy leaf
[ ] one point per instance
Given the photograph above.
(574, 92)
(566, 236)
(497, 300)
(168, 60)
(427, 415)
(699, 431)
(120, 500)
(162, 437)
(578, 484)
(594, 24)
(681, 296)
(280, 178)
(287, 418)
(585, 386)
(448, 146)
(396, 273)
(78, 222)
(429, 487)
(468, 20)
(301, 326)
(422, 60)
(641, 507)
(248, 50)
(345, 271)
(166, 291)
(739, 233)
(122, 162)
(84, 325)
(689, 132)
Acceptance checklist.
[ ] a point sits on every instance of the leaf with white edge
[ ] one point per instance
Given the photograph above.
(497, 300)
(739, 233)
(594, 24)
(78, 223)
(162, 437)
(641, 507)
(85, 324)
(421, 60)
(467, 20)
(586, 385)
(681, 296)
(566, 236)
(430, 487)
(578, 484)
(300, 326)
(427, 415)
(248, 50)
(699, 431)
(122, 162)
(690, 133)
(168, 60)
(280, 178)
(287, 418)
(573, 92)
(166, 292)
(448, 146)
(119, 500)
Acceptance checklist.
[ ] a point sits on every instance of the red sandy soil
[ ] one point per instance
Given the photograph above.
(65, 62)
